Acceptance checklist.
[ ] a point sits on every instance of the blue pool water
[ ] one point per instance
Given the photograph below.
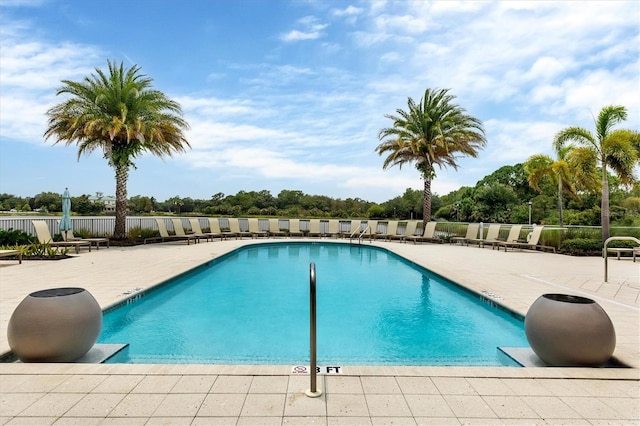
(252, 307)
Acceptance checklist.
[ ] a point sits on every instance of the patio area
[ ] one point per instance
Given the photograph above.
(362, 395)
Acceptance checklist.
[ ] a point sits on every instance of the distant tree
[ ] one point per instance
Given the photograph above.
(513, 176)
(493, 203)
(432, 132)
(83, 205)
(612, 149)
(50, 201)
(569, 173)
(120, 114)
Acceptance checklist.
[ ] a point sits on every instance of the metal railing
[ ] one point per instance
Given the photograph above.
(606, 255)
(313, 391)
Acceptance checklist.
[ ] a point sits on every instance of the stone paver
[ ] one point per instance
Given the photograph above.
(86, 394)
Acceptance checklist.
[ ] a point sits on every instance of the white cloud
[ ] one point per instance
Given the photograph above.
(312, 30)
(348, 11)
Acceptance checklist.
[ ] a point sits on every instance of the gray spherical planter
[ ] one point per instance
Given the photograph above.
(55, 325)
(565, 330)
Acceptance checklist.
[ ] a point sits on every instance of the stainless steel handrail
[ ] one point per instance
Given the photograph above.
(360, 235)
(313, 391)
(605, 253)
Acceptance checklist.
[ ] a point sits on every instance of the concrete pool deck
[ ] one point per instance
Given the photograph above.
(264, 395)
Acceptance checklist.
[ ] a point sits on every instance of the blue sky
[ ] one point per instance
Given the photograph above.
(292, 94)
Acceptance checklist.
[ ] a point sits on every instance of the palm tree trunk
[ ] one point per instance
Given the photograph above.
(122, 174)
(426, 202)
(604, 208)
(560, 202)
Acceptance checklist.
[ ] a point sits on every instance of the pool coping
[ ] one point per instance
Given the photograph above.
(631, 373)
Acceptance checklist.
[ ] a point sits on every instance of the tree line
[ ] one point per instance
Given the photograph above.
(502, 196)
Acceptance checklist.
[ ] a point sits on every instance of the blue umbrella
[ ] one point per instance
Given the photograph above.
(65, 220)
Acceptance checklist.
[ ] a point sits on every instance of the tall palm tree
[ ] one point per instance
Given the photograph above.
(433, 132)
(614, 149)
(121, 114)
(570, 172)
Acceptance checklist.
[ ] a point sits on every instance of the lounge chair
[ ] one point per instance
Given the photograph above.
(531, 244)
(254, 229)
(492, 236)
(197, 230)
(635, 253)
(314, 228)
(214, 227)
(44, 237)
(334, 229)
(371, 229)
(164, 234)
(392, 228)
(472, 234)
(294, 228)
(429, 235)
(354, 229)
(180, 232)
(68, 236)
(11, 253)
(409, 229)
(513, 237)
(274, 228)
(234, 227)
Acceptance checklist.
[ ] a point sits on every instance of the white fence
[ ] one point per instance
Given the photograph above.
(103, 225)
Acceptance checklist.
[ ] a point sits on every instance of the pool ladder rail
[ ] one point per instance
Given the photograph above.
(360, 234)
(313, 391)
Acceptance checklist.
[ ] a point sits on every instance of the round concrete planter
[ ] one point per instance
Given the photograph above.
(54, 325)
(565, 330)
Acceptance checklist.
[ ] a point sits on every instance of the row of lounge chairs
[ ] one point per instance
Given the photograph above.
(358, 230)
(512, 241)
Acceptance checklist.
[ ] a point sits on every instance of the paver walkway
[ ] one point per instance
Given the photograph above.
(263, 395)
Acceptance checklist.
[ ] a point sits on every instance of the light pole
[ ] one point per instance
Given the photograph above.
(530, 212)
(457, 212)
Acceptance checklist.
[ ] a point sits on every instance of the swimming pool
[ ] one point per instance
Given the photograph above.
(251, 306)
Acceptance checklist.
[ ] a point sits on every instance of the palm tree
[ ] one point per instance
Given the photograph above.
(431, 132)
(570, 172)
(119, 113)
(614, 149)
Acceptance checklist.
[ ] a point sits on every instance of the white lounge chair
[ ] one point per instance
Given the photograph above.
(294, 228)
(392, 229)
(11, 253)
(333, 229)
(492, 236)
(531, 244)
(180, 232)
(95, 241)
(197, 230)
(44, 237)
(314, 228)
(472, 234)
(513, 237)
(214, 227)
(164, 234)
(234, 227)
(409, 229)
(254, 229)
(274, 228)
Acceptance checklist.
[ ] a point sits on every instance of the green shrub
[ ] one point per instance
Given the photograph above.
(581, 247)
(81, 233)
(14, 237)
(138, 233)
(37, 250)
